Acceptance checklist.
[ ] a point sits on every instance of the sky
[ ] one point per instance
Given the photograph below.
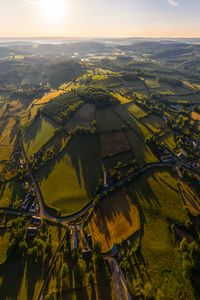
(99, 18)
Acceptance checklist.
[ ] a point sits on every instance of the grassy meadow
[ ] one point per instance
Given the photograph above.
(39, 132)
(159, 201)
(68, 182)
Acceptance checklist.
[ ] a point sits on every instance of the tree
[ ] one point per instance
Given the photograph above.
(90, 277)
(64, 271)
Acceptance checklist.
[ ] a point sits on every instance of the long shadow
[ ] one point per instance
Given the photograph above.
(33, 130)
(103, 284)
(13, 132)
(3, 126)
(33, 274)
(12, 275)
(84, 154)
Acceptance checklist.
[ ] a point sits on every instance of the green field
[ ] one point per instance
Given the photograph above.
(39, 132)
(4, 242)
(159, 201)
(10, 193)
(69, 181)
(154, 123)
(169, 141)
(132, 122)
(136, 111)
(140, 150)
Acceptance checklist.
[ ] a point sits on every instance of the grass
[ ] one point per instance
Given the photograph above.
(48, 97)
(140, 150)
(136, 111)
(113, 143)
(132, 122)
(190, 198)
(10, 193)
(39, 132)
(152, 83)
(4, 242)
(8, 131)
(159, 200)
(115, 219)
(169, 141)
(69, 181)
(122, 99)
(154, 123)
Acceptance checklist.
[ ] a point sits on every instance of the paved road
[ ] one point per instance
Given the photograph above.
(119, 281)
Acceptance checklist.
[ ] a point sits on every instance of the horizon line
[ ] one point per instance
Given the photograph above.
(99, 37)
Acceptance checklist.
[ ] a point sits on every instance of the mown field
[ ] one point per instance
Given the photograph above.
(115, 219)
(68, 182)
(8, 131)
(159, 201)
(4, 243)
(48, 97)
(39, 132)
(136, 111)
(140, 150)
(169, 141)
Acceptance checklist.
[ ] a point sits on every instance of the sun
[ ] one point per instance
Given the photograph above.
(53, 10)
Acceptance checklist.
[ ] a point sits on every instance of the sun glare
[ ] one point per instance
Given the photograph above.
(53, 10)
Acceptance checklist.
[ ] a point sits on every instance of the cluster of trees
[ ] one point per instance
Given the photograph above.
(190, 253)
(38, 250)
(82, 130)
(97, 95)
(62, 107)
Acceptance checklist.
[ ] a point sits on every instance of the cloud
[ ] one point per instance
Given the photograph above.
(173, 2)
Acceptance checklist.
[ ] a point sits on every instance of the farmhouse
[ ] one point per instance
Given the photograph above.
(31, 232)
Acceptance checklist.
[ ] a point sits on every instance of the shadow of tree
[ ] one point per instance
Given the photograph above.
(11, 273)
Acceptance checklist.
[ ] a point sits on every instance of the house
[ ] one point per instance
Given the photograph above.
(31, 231)
(86, 254)
(36, 220)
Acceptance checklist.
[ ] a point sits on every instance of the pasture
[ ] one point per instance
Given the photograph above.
(37, 134)
(157, 195)
(154, 123)
(113, 143)
(4, 243)
(48, 97)
(136, 111)
(10, 193)
(69, 181)
(131, 122)
(114, 220)
(121, 98)
(190, 198)
(169, 141)
(8, 131)
(140, 150)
